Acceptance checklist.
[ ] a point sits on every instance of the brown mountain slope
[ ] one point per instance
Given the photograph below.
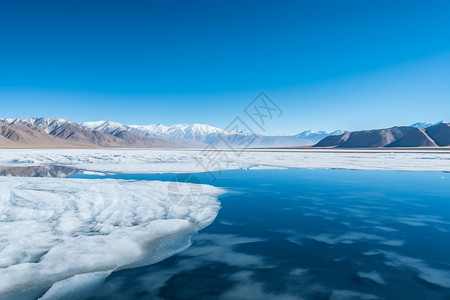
(70, 135)
(28, 136)
(133, 140)
(76, 134)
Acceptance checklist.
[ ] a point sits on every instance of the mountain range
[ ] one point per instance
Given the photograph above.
(417, 135)
(61, 133)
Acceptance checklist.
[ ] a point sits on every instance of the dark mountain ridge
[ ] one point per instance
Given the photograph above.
(398, 136)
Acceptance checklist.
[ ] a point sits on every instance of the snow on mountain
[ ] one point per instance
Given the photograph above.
(191, 135)
(309, 134)
(149, 130)
(46, 124)
(311, 137)
(92, 125)
(103, 134)
(202, 134)
(184, 134)
(8, 120)
(108, 127)
(195, 132)
(423, 125)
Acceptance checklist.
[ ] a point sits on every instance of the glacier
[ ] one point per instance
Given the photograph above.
(57, 233)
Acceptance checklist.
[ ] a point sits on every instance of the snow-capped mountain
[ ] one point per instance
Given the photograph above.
(45, 124)
(198, 135)
(112, 135)
(108, 127)
(194, 132)
(423, 125)
(183, 134)
(109, 133)
(317, 135)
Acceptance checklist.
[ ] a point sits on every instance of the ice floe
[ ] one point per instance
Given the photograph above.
(54, 229)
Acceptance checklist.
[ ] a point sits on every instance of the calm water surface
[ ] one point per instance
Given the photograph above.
(307, 234)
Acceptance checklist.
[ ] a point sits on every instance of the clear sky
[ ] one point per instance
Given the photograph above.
(328, 64)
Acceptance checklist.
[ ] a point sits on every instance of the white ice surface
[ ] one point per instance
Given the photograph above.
(182, 160)
(53, 228)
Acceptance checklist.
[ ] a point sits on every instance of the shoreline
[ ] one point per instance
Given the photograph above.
(268, 149)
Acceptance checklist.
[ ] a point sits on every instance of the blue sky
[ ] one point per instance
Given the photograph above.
(328, 64)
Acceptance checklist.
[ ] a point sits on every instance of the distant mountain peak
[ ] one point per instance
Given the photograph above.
(318, 134)
(423, 125)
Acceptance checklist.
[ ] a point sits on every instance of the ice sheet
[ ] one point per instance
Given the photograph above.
(54, 228)
(188, 160)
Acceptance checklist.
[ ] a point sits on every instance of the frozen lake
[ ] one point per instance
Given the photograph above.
(290, 224)
(308, 234)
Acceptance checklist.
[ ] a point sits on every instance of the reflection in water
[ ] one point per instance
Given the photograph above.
(39, 171)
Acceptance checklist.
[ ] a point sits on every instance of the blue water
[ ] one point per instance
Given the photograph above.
(307, 234)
